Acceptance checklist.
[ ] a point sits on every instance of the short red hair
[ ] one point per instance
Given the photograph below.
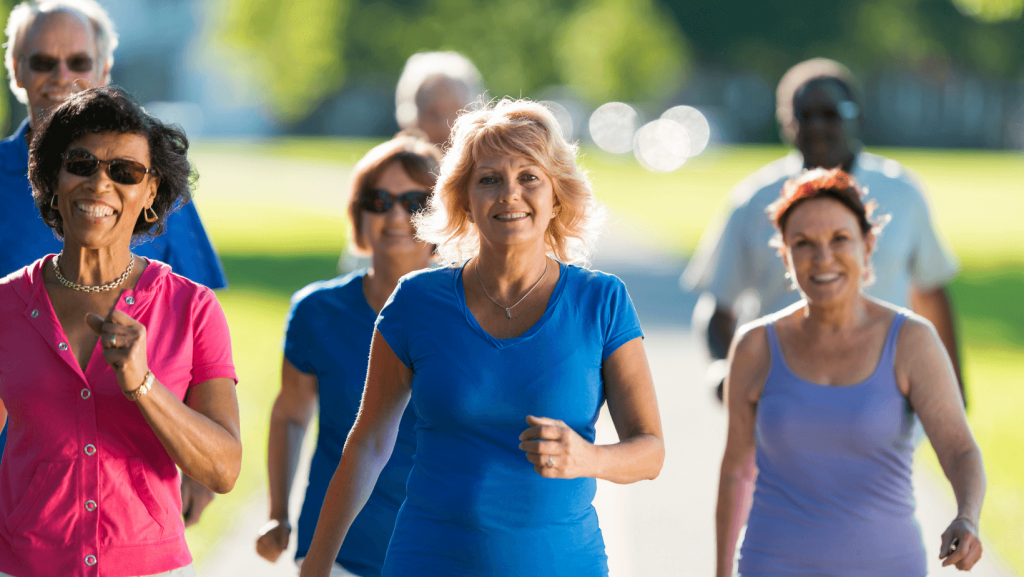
(824, 183)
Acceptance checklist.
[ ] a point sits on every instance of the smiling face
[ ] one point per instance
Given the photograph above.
(825, 251)
(392, 234)
(511, 201)
(824, 137)
(66, 42)
(97, 211)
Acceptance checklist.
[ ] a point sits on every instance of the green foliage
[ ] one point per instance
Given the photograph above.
(622, 50)
(991, 10)
(297, 45)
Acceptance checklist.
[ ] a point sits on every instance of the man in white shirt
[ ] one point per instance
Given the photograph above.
(819, 111)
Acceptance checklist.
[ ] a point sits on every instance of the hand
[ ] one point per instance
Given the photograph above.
(960, 545)
(124, 347)
(195, 497)
(273, 539)
(556, 451)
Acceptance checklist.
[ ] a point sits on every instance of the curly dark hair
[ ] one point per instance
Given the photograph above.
(110, 109)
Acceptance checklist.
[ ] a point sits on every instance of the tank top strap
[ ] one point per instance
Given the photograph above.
(773, 344)
(889, 351)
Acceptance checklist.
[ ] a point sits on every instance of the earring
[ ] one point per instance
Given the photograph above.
(791, 285)
(150, 214)
(53, 202)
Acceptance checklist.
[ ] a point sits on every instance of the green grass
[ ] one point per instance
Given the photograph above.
(275, 209)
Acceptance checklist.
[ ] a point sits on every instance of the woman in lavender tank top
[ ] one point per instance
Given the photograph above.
(822, 396)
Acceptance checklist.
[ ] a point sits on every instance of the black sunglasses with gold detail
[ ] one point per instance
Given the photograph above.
(81, 163)
(381, 201)
(44, 63)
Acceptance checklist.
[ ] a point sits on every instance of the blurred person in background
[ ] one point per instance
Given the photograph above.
(824, 393)
(820, 111)
(433, 88)
(507, 356)
(115, 371)
(327, 340)
(54, 49)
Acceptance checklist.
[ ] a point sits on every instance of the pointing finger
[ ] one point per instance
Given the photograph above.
(95, 322)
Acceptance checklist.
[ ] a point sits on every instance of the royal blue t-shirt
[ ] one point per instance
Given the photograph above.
(475, 505)
(328, 335)
(24, 237)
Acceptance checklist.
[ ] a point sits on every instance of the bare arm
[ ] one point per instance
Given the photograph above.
(633, 405)
(925, 372)
(367, 450)
(289, 419)
(935, 305)
(749, 361)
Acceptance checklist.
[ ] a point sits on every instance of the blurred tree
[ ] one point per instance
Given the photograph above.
(298, 47)
(622, 50)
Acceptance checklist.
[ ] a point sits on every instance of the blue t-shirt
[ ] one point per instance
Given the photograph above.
(475, 505)
(24, 237)
(328, 335)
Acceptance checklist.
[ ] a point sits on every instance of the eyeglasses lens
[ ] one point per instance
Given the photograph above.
(81, 163)
(381, 201)
(43, 63)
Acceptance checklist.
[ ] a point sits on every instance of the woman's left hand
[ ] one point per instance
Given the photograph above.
(124, 347)
(960, 545)
(557, 451)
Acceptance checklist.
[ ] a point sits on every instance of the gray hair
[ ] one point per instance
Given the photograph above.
(23, 16)
(424, 66)
(806, 72)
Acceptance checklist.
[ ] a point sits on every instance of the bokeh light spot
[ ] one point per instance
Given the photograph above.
(563, 117)
(613, 125)
(694, 123)
(661, 146)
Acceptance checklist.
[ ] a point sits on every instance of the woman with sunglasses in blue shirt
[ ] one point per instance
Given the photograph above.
(327, 341)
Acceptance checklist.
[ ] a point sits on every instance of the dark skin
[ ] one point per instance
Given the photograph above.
(826, 139)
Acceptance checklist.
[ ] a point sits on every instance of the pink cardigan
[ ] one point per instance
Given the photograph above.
(86, 488)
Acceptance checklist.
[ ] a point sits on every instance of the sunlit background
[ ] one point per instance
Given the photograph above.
(673, 102)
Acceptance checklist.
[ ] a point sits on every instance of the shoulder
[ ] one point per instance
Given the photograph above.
(170, 287)
(884, 175)
(750, 342)
(428, 278)
(15, 287)
(766, 182)
(331, 289)
(593, 286)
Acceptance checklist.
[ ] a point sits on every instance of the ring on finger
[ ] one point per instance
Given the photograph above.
(549, 462)
(112, 341)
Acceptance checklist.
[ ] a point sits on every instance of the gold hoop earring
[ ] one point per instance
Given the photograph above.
(53, 202)
(150, 215)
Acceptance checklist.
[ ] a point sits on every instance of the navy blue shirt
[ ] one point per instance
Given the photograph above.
(24, 237)
(474, 503)
(328, 335)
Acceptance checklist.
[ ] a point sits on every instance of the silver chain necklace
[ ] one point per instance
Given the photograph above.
(508, 310)
(92, 288)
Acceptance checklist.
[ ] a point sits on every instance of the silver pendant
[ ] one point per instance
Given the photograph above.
(508, 313)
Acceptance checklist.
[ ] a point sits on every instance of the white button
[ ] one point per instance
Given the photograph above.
(86, 393)
(63, 346)
(90, 560)
(90, 505)
(90, 450)
(35, 313)
(130, 300)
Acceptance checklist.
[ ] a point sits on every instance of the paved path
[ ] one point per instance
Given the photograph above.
(653, 528)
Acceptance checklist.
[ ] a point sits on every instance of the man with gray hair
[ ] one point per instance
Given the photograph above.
(433, 89)
(54, 49)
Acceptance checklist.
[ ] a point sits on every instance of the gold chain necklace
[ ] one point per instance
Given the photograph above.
(93, 288)
(508, 310)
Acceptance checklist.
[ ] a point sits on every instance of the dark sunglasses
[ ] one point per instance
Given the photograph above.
(80, 163)
(381, 201)
(43, 63)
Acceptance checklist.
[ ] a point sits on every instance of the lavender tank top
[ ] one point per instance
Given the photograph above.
(833, 493)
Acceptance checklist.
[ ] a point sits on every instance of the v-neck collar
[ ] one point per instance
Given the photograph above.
(460, 298)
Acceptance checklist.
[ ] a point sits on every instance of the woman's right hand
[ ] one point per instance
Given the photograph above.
(967, 549)
(273, 539)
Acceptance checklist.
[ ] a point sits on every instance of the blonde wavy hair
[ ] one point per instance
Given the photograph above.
(520, 128)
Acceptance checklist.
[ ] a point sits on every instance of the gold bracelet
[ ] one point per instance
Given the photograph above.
(147, 383)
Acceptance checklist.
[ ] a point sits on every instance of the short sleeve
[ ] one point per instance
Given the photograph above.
(720, 264)
(211, 341)
(622, 324)
(932, 264)
(297, 334)
(392, 322)
(187, 248)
